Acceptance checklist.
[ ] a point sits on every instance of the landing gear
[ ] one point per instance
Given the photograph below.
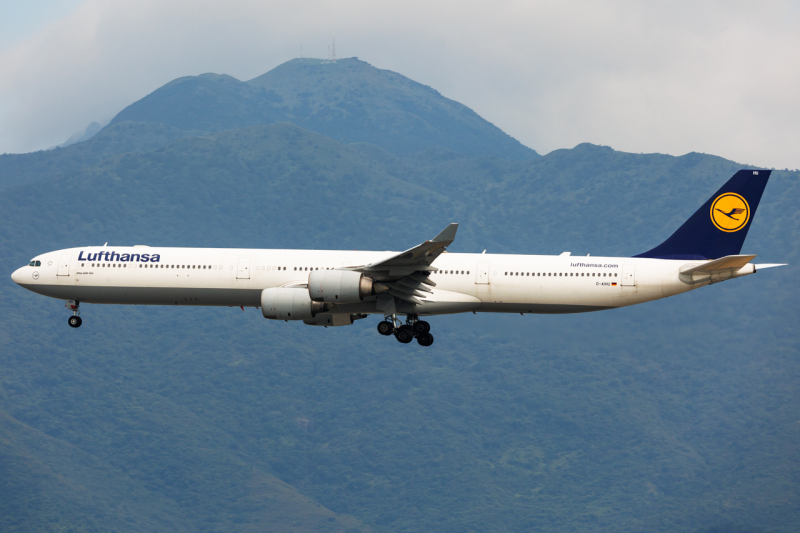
(405, 333)
(385, 328)
(74, 321)
(421, 327)
(425, 339)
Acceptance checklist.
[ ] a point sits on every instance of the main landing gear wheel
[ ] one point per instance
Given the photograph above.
(421, 327)
(75, 321)
(404, 334)
(385, 328)
(425, 339)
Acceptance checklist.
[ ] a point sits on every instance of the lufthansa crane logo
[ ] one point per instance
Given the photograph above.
(730, 212)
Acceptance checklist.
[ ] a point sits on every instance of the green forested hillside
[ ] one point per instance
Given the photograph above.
(678, 415)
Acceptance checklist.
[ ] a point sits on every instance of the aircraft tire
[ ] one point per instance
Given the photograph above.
(421, 327)
(425, 339)
(75, 321)
(385, 328)
(404, 334)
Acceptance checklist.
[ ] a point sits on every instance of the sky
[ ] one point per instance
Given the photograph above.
(671, 77)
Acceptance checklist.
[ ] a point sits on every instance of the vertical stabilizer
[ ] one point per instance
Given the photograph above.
(719, 227)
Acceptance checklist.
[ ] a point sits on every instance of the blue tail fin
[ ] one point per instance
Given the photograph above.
(719, 227)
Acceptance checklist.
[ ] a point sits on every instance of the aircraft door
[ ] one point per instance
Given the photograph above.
(628, 276)
(482, 274)
(63, 265)
(243, 271)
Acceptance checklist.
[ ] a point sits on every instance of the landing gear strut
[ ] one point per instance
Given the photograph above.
(75, 320)
(405, 333)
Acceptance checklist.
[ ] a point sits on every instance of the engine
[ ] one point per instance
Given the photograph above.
(338, 286)
(289, 304)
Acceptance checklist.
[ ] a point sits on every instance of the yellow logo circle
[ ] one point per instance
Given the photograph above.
(730, 212)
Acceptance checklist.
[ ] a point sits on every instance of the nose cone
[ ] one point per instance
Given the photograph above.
(17, 275)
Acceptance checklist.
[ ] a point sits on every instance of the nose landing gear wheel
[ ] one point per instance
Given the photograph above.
(75, 321)
(385, 328)
(425, 339)
(404, 334)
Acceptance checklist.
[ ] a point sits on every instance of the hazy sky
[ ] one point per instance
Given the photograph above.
(714, 77)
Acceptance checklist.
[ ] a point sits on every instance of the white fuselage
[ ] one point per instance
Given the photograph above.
(464, 282)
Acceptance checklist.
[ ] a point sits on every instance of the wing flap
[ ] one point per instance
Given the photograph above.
(405, 275)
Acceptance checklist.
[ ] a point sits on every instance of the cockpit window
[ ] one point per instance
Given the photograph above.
(35, 264)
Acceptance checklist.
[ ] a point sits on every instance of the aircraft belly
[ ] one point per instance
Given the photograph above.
(540, 308)
(152, 295)
(537, 298)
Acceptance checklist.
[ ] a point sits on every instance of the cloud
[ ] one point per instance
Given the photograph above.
(716, 77)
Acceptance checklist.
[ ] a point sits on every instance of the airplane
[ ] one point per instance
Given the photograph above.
(336, 288)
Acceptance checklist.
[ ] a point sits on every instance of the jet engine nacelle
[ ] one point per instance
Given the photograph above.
(289, 304)
(338, 286)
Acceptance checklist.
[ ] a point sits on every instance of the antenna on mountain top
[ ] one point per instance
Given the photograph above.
(333, 49)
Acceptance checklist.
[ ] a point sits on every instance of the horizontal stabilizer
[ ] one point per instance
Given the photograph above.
(770, 265)
(729, 262)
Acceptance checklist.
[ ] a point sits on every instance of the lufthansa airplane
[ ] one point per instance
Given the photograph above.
(335, 288)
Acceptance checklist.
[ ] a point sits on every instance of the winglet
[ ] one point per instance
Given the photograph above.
(448, 234)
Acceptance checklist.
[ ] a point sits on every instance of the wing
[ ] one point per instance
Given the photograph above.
(405, 275)
(416, 259)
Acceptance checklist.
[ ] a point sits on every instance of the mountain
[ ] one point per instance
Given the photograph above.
(677, 415)
(347, 100)
(90, 131)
